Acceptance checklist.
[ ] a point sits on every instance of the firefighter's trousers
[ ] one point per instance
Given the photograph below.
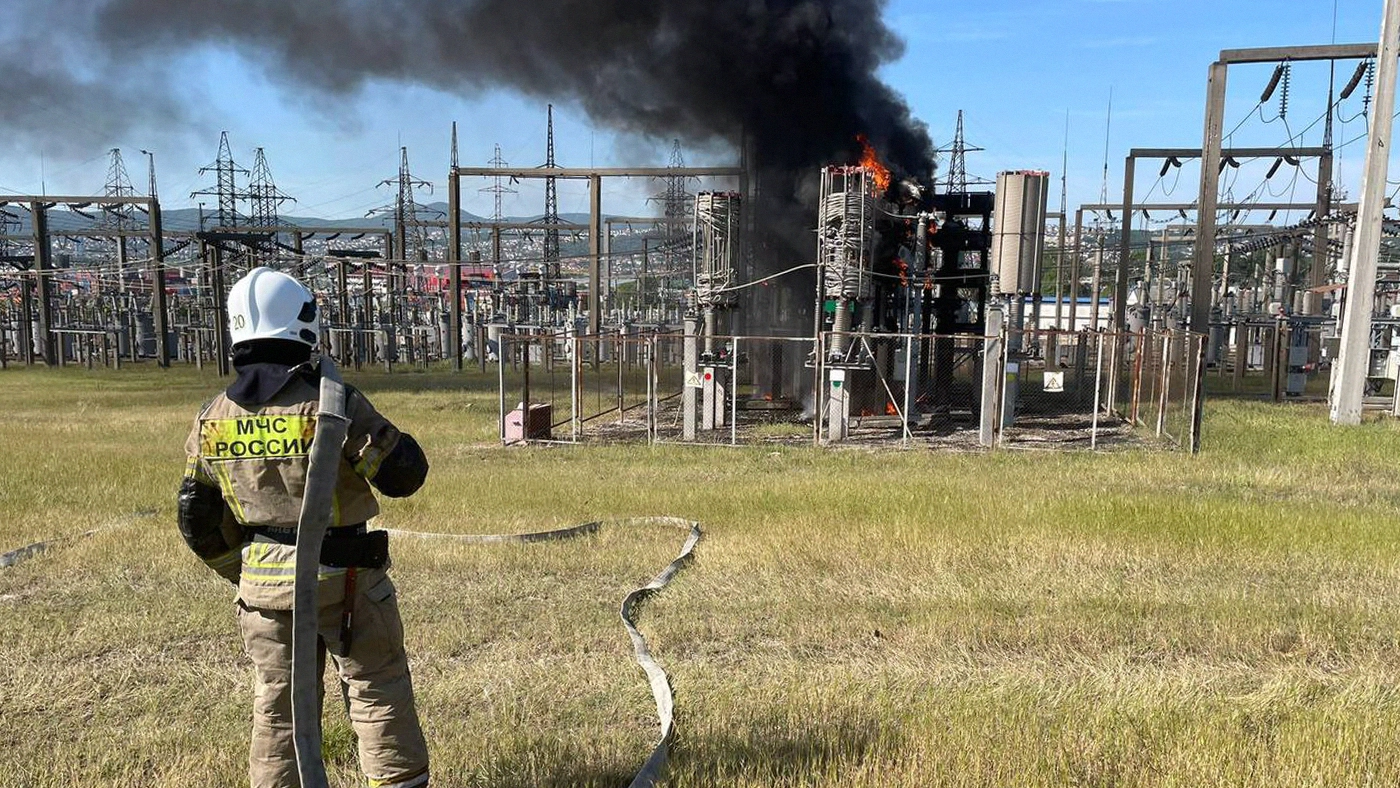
(374, 680)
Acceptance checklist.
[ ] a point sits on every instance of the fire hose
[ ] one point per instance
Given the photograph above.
(317, 511)
(655, 764)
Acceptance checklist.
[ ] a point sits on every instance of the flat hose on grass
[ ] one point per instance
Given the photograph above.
(655, 765)
(317, 511)
(22, 554)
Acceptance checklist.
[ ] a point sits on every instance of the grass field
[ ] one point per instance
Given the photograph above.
(852, 619)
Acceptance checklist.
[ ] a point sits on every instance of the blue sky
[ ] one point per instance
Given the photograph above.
(1016, 68)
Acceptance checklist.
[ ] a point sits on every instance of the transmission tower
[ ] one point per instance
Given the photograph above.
(500, 189)
(958, 180)
(226, 187)
(676, 203)
(263, 195)
(405, 210)
(118, 185)
(551, 207)
(118, 217)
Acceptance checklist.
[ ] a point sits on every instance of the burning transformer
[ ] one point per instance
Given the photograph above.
(896, 258)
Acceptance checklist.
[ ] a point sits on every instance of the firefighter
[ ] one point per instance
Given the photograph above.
(239, 505)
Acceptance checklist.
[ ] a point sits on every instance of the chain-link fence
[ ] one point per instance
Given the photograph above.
(1103, 389)
(902, 389)
(561, 387)
(655, 388)
(1088, 389)
(732, 390)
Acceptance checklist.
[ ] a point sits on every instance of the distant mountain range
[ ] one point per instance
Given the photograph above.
(186, 219)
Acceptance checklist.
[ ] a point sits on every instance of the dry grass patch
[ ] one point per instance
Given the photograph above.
(852, 619)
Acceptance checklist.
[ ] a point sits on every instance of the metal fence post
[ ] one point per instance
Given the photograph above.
(908, 387)
(1140, 351)
(819, 391)
(1098, 387)
(502, 344)
(575, 387)
(1242, 340)
(651, 388)
(1165, 383)
(620, 355)
(993, 378)
(1198, 398)
(734, 391)
(1113, 374)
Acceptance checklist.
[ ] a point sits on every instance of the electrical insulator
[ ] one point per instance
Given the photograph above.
(1370, 85)
(1361, 69)
(1274, 169)
(1273, 83)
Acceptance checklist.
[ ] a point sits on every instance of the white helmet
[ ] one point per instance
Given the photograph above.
(268, 304)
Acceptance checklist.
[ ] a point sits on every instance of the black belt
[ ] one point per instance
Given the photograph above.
(343, 547)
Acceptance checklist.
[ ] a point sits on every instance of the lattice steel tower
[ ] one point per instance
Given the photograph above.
(263, 195)
(499, 190)
(408, 227)
(226, 186)
(958, 180)
(677, 205)
(118, 217)
(118, 185)
(551, 207)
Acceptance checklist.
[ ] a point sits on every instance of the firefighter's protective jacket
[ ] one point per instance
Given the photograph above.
(246, 473)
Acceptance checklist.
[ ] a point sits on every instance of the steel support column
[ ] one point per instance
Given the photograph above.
(1317, 271)
(43, 281)
(595, 253)
(222, 343)
(1125, 246)
(454, 262)
(1203, 261)
(1074, 270)
(160, 310)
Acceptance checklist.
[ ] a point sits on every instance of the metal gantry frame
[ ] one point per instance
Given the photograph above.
(42, 265)
(1323, 154)
(1203, 262)
(594, 176)
(1120, 294)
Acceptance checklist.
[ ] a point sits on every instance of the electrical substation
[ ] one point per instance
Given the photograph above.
(908, 310)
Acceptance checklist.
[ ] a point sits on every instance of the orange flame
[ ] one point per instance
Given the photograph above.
(890, 409)
(870, 160)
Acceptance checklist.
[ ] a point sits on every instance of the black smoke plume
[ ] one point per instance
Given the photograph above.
(796, 78)
(799, 76)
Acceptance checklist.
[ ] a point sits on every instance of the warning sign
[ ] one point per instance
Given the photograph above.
(692, 380)
(1055, 381)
